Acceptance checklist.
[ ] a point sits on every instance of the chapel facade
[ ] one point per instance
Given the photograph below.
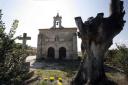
(57, 42)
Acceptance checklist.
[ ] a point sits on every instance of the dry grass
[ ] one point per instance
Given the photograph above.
(118, 78)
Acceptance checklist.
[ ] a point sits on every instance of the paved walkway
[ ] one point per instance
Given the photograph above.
(43, 64)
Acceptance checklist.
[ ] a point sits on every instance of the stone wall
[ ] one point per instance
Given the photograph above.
(57, 38)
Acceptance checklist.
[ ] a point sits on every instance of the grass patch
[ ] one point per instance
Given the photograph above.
(117, 77)
(50, 77)
(50, 73)
(110, 75)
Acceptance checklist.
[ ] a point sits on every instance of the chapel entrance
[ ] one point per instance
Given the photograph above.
(62, 53)
(51, 53)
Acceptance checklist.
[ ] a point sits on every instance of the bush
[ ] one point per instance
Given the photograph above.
(118, 58)
(12, 56)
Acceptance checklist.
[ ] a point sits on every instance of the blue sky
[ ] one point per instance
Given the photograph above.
(38, 14)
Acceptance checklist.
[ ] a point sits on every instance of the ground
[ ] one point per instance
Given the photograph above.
(44, 70)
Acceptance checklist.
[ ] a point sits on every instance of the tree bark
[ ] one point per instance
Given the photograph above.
(92, 68)
(97, 36)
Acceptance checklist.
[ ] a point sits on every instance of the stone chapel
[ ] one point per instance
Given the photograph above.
(57, 42)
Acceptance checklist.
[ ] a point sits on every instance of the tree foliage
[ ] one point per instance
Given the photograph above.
(118, 58)
(12, 56)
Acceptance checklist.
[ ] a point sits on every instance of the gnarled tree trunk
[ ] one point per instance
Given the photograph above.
(97, 36)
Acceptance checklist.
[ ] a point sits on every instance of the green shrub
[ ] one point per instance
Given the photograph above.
(12, 56)
(118, 58)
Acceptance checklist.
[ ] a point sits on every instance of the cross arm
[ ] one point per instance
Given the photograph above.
(28, 38)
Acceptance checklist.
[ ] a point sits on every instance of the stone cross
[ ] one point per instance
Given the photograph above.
(24, 38)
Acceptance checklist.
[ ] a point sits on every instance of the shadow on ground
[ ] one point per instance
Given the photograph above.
(70, 67)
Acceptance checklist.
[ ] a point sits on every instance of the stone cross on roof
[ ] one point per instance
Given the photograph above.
(24, 38)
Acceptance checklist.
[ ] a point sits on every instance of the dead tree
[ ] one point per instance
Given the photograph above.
(97, 35)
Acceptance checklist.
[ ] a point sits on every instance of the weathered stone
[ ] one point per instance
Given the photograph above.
(57, 21)
(57, 43)
(24, 38)
(57, 39)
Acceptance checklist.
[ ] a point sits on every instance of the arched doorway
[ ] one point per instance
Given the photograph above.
(62, 53)
(51, 53)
